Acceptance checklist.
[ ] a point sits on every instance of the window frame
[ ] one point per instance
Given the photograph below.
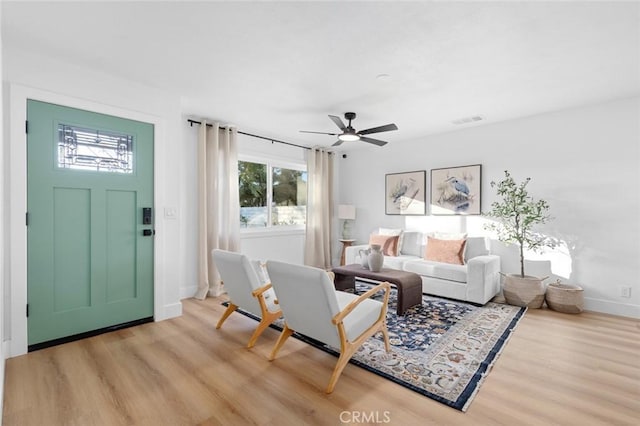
(270, 164)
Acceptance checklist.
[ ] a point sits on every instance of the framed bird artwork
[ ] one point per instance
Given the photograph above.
(405, 193)
(456, 190)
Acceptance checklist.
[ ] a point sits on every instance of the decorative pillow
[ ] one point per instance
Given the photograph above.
(389, 243)
(451, 236)
(392, 231)
(389, 231)
(445, 251)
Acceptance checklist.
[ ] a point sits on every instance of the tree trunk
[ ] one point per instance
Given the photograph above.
(521, 261)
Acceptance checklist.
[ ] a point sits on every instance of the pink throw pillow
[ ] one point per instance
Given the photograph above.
(445, 251)
(389, 243)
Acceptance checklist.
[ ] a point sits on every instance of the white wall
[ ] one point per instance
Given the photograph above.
(282, 246)
(38, 77)
(189, 199)
(585, 162)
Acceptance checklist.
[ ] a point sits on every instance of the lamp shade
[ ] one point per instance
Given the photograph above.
(346, 211)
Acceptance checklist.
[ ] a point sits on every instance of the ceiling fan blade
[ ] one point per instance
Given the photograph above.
(373, 141)
(319, 133)
(338, 142)
(385, 128)
(338, 122)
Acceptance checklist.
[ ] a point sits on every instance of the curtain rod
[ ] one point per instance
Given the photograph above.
(192, 122)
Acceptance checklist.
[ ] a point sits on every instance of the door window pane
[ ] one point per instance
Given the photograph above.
(253, 194)
(289, 206)
(88, 149)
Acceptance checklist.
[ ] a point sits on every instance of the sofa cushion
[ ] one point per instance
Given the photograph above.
(476, 246)
(448, 235)
(412, 243)
(398, 262)
(447, 251)
(445, 271)
(390, 231)
(388, 243)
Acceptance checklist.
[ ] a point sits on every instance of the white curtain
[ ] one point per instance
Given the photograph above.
(317, 250)
(218, 203)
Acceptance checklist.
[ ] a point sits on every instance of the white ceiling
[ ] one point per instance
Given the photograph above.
(277, 68)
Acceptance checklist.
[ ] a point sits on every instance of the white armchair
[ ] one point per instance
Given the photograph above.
(246, 290)
(312, 307)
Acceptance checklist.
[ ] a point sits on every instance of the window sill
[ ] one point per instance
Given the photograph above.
(271, 232)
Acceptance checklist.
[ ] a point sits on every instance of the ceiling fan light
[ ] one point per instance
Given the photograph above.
(349, 137)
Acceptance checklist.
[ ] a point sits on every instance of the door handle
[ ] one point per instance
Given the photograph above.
(148, 232)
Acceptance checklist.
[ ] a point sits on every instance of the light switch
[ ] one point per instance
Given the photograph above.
(170, 213)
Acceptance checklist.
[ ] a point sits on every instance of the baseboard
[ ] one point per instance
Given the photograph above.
(5, 351)
(613, 308)
(171, 311)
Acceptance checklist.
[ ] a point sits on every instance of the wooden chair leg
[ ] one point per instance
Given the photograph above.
(345, 356)
(267, 319)
(385, 335)
(286, 332)
(226, 314)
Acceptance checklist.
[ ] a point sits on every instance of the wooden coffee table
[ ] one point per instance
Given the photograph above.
(409, 285)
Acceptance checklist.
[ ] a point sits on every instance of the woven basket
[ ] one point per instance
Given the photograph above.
(565, 298)
(523, 291)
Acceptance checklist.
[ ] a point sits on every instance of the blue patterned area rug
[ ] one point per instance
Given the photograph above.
(442, 349)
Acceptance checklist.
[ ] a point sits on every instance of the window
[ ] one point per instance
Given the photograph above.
(283, 188)
(289, 195)
(89, 149)
(253, 194)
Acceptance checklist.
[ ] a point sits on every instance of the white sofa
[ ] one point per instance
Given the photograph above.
(477, 281)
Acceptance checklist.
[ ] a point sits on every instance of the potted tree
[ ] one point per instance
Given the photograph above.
(517, 214)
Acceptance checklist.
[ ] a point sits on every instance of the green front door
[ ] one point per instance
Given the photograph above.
(90, 264)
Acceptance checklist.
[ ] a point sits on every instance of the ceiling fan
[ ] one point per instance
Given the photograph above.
(350, 134)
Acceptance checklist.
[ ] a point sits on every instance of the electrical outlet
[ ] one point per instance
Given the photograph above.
(625, 292)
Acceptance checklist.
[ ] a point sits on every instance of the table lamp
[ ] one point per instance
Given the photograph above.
(346, 212)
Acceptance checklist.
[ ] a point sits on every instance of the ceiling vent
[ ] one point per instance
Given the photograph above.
(466, 120)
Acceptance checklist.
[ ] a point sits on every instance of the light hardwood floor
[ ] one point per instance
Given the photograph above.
(556, 369)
